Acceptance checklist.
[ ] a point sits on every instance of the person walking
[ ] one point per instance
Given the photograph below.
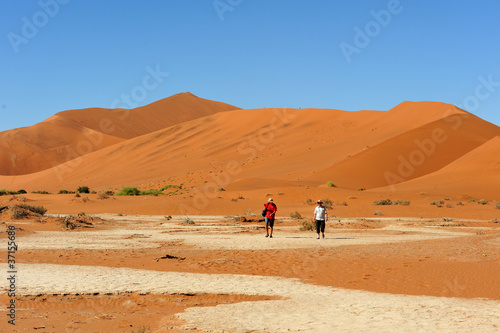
(320, 216)
(270, 209)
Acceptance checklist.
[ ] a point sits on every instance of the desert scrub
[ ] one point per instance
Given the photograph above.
(83, 189)
(128, 191)
(19, 213)
(65, 192)
(6, 192)
(40, 192)
(23, 211)
(439, 203)
(402, 202)
(497, 206)
(295, 215)
(330, 184)
(170, 186)
(483, 202)
(306, 225)
(382, 202)
(34, 209)
(151, 192)
(327, 203)
(308, 201)
(103, 196)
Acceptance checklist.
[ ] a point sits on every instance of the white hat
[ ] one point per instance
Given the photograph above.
(270, 200)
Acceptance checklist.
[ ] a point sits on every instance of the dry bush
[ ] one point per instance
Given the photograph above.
(295, 215)
(327, 203)
(103, 196)
(80, 221)
(306, 225)
(19, 213)
(382, 202)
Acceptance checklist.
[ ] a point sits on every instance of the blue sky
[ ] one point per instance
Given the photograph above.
(57, 55)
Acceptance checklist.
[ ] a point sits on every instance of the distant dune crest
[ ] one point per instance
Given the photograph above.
(412, 147)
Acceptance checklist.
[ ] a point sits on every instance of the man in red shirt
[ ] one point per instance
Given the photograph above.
(270, 213)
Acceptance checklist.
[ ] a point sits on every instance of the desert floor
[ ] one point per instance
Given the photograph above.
(121, 272)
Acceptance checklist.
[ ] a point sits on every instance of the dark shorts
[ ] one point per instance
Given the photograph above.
(270, 222)
(320, 225)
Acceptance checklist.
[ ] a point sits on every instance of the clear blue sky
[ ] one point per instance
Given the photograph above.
(349, 55)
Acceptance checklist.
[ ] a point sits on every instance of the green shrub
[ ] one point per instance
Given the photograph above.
(483, 202)
(128, 191)
(362, 189)
(65, 192)
(5, 192)
(151, 192)
(330, 184)
(22, 192)
(170, 186)
(306, 225)
(295, 215)
(382, 202)
(40, 192)
(83, 189)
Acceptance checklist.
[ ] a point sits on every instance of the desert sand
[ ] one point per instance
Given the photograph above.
(195, 258)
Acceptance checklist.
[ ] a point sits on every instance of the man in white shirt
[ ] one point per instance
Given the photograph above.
(320, 216)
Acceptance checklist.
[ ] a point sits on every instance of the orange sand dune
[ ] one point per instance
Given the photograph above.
(477, 174)
(244, 149)
(70, 134)
(413, 153)
(47, 144)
